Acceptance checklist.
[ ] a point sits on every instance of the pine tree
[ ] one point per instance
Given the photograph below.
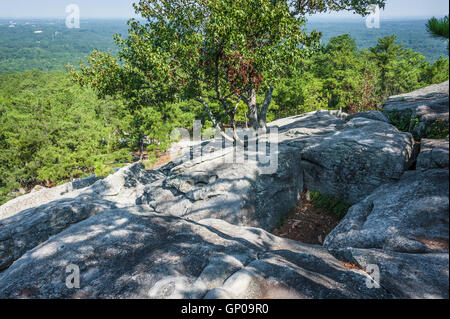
(438, 27)
(52, 131)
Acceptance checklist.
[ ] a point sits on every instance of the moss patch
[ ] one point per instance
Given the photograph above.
(329, 204)
(401, 120)
(438, 130)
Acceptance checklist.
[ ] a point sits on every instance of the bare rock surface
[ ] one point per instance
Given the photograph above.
(317, 151)
(48, 212)
(433, 154)
(404, 228)
(372, 115)
(407, 276)
(423, 109)
(45, 196)
(182, 231)
(431, 92)
(241, 194)
(350, 159)
(136, 253)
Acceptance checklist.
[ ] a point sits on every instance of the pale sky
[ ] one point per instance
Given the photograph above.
(123, 9)
(403, 9)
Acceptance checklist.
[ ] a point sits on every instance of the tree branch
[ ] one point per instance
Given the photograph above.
(265, 107)
(213, 119)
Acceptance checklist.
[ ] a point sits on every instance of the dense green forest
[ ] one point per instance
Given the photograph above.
(53, 130)
(48, 45)
(410, 33)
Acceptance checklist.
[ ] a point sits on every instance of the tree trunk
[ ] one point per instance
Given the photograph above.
(141, 148)
(253, 110)
(235, 136)
(264, 109)
(232, 115)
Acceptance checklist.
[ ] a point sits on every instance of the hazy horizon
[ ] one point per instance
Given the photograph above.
(122, 9)
(310, 18)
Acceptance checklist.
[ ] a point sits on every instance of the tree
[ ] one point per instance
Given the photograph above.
(384, 54)
(301, 93)
(340, 76)
(347, 75)
(362, 7)
(52, 131)
(438, 72)
(438, 28)
(213, 52)
(208, 51)
(401, 70)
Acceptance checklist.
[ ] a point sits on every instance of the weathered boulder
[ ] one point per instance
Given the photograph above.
(313, 124)
(433, 154)
(400, 216)
(318, 151)
(26, 230)
(135, 253)
(404, 227)
(423, 112)
(48, 212)
(349, 159)
(45, 196)
(371, 115)
(240, 193)
(125, 186)
(406, 276)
